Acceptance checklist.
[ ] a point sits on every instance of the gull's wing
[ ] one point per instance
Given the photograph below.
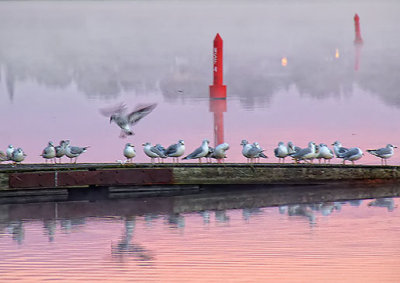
(350, 152)
(140, 112)
(108, 111)
(171, 149)
(157, 151)
(195, 153)
(380, 152)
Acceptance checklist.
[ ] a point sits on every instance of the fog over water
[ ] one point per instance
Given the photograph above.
(107, 48)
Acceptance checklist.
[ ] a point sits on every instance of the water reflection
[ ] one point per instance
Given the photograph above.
(87, 55)
(383, 202)
(125, 247)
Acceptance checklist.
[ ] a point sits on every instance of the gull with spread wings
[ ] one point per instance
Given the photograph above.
(119, 115)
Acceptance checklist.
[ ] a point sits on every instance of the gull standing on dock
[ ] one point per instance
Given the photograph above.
(175, 150)
(281, 152)
(74, 151)
(250, 151)
(129, 152)
(210, 152)
(305, 153)
(261, 154)
(153, 152)
(324, 152)
(292, 148)
(61, 149)
(199, 152)
(18, 155)
(338, 148)
(351, 154)
(383, 153)
(245, 149)
(9, 151)
(126, 120)
(49, 152)
(219, 152)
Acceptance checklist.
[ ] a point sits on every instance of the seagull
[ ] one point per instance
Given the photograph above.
(246, 148)
(220, 151)
(305, 153)
(250, 151)
(129, 152)
(261, 154)
(49, 152)
(126, 120)
(281, 152)
(61, 149)
(210, 152)
(175, 150)
(9, 151)
(74, 151)
(351, 154)
(18, 155)
(292, 148)
(383, 153)
(324, 152)
(199, 152)
(338, 149)
(153, 151)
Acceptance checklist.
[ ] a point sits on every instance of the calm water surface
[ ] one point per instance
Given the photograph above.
(175, 239)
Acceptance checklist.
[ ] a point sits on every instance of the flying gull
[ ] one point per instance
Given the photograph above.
(125, 120)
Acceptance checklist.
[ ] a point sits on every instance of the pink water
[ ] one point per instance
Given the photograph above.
(337, 241)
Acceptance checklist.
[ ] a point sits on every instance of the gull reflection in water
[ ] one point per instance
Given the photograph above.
(247, 213)
(50, 227)
(125, 248)
(302, 210)
(68, 225)
(150, 218)
(326, 208)
(175, 221)
(206, 216)
(383, 202)
(221, 216)
(16, 229)
(355, 202)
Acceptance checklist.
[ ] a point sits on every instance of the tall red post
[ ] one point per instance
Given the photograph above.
(218, 91)
(358, 42)
(358, 39)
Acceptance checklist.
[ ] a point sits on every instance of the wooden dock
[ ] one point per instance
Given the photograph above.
(60, 182)
(39, 176)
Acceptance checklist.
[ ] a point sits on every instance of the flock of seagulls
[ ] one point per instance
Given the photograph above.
(177, 150)
(253, 152)
(50, 152)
